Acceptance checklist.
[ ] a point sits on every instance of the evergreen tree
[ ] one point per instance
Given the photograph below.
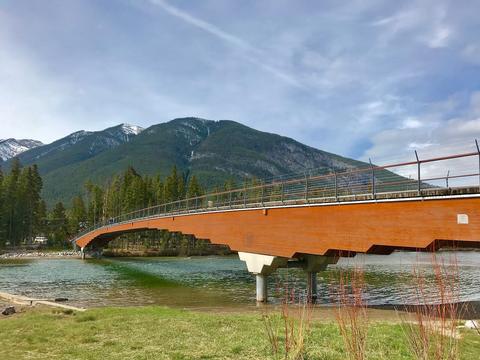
(12, 222)
(78, 215)
(194, 188)
(2, 210)
(59, 224)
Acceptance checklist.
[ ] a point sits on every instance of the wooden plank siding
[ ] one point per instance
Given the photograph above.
(374, 227)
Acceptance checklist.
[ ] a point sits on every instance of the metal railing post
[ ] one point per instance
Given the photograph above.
(336, 185)
(245, 195)
(263, 192)
(373, 179)
(478, 150)
(446, 179)
(418, 174)
(283, 191)
(230, 198)
(306, 187)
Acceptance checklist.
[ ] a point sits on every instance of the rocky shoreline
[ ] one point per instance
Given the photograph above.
(41, 254)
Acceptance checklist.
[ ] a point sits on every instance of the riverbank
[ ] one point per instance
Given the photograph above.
(41, 254)
(165, 333)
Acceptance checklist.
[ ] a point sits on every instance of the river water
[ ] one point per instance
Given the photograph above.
(223, 282)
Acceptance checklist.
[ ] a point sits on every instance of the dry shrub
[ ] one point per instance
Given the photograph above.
(351, 312)
(287, 331)
(433, 332)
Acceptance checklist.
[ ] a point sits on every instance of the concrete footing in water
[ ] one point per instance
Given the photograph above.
(263, 265)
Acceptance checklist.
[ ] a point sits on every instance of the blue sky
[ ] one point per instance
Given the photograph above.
(360, 78)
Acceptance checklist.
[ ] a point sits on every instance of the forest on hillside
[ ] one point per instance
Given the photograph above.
(24, 214)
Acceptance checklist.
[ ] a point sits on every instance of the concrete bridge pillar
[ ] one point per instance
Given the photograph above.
(312, 265)
(82, 253)
(312, 288)
(262, 266)
(262, 294)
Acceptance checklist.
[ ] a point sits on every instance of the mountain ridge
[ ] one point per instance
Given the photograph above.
(213, 150)
(11, 147)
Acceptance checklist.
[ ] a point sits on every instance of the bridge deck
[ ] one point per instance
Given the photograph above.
(369, 209)
(320, 226)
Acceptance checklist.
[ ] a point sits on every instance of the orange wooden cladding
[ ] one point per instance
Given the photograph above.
(357, 227)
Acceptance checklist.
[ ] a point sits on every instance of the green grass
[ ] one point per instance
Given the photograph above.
(163, 333)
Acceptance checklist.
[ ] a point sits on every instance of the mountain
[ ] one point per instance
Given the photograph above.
(12, 147)
(78, 147)
(213, 150)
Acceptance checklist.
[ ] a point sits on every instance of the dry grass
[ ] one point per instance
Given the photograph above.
(433, 334)
(351, 313)
(287, 331)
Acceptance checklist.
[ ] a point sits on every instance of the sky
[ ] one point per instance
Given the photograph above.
(365, 79)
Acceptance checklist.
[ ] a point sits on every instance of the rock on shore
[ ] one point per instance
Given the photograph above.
(37, 254)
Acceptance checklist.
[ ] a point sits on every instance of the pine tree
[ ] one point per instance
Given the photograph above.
(58, 221)
(172, 186)
(77, 216)
(2, 211)
(194, 188)
(12, 223)
(20, 202)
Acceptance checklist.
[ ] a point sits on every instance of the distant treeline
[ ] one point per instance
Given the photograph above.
(24, 215)
(22, 211)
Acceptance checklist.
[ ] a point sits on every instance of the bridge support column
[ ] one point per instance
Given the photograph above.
(82, 253)
(262, 293)
(262, 266)
(312, 265)
(312, 289)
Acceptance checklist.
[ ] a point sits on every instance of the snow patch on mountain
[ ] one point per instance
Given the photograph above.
(12, 147)
(131, 129)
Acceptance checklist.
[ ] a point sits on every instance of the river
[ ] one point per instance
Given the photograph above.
(222, 282)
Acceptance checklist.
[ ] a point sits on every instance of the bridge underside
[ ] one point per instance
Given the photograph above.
(328, 230)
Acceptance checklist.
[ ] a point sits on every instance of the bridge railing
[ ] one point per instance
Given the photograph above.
(421, 177)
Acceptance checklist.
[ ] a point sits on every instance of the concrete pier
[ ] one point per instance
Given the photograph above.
(262, 266)
(82, 253)
(262, 295)
(312, 264)
(312, 287)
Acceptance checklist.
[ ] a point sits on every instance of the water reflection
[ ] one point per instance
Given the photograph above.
(216, 281)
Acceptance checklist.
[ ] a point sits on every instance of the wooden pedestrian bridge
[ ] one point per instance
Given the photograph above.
(312, 219)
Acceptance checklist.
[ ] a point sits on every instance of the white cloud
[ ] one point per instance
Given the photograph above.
(419, 146)
(439, 38)
(251, 54)
(427, 22)
(30, 100)
(411, 123)
(443, 137)
(471, 53)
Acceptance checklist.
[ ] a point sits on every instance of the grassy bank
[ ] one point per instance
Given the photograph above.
(163, 333)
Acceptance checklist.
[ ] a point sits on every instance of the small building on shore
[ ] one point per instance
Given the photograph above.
(40, 240)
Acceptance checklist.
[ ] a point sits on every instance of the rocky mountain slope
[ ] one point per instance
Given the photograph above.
(78, 147)
(12, 147)
(213, 150)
